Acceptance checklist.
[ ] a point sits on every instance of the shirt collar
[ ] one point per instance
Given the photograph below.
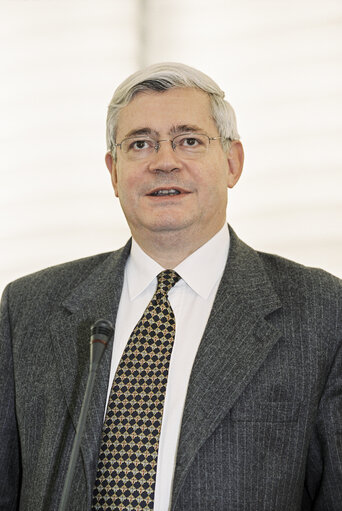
(141, 269)
(204, 267)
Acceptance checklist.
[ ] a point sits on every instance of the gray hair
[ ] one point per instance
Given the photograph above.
(163, 76)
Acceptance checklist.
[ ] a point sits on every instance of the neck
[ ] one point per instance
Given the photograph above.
(169, 249)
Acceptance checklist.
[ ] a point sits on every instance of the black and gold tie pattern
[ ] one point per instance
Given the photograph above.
(127, 462)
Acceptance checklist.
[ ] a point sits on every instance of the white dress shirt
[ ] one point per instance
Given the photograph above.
(191, 300)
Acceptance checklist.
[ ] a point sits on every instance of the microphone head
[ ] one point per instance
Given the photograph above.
(102, 330)
(100, 334)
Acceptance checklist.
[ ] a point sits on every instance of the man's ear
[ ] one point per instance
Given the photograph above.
(235, 163)
(111, 166)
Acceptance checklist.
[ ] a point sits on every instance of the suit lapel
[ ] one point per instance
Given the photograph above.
(98, 296)
(235, 344)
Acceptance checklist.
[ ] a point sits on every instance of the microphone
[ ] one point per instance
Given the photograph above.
(100, 334)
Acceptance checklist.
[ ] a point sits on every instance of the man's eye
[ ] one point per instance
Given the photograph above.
(138, 145)
(190, 142)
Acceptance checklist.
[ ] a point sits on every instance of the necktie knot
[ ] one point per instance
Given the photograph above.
(166, 280)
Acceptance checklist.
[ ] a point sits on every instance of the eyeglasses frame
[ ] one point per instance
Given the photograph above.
(171, 140)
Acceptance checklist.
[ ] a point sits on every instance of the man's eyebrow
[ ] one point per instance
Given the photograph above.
(174, 130)
(141, 131)
(185, 128)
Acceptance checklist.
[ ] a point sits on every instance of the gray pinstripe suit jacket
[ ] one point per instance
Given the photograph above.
(262, 424)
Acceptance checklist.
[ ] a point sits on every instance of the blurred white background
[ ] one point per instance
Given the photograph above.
(279, 63)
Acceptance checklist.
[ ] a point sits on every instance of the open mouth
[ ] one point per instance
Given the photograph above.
(162, 192)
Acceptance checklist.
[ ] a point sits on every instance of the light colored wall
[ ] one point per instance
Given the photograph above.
(279, 63)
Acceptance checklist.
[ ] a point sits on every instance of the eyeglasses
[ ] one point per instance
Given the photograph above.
(188, 145)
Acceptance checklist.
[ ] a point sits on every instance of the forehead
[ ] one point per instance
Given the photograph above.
(160, 111)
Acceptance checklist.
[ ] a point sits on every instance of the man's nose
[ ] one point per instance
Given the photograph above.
(164, 159)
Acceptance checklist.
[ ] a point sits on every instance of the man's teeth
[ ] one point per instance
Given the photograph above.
(166, 192)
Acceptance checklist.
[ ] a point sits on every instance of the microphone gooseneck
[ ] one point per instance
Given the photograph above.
(101, 333)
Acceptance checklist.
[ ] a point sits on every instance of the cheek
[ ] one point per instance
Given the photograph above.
(118, 179)
(125, 183)
(216, 177)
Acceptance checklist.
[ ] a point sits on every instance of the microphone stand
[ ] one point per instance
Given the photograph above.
(101, 333)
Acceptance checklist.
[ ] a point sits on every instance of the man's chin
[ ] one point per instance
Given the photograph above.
(165, 227)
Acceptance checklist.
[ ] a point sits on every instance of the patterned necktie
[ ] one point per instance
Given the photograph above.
(127, 464)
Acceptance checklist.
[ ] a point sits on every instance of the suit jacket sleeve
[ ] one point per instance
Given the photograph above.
(9, 444)
(323, 489)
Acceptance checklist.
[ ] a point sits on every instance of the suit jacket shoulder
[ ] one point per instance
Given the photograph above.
(313, 291)
(41, 292)
(302, 277)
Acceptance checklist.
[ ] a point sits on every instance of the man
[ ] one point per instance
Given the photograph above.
(252, 413)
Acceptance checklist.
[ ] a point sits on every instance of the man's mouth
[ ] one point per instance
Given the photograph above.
(162, 192)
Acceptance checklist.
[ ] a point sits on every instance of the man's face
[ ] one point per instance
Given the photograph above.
(199, 209)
